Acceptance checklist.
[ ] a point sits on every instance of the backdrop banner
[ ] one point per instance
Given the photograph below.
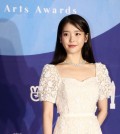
(27, 40)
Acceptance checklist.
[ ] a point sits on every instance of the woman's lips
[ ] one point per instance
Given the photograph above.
(72, 46)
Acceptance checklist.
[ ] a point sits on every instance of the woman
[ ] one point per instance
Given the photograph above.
(74, 82)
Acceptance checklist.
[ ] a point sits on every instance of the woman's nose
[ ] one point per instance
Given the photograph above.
(72, 38)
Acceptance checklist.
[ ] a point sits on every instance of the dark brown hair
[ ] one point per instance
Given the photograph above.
(80, 23)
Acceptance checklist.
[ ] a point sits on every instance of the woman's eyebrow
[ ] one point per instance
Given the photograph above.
(77, 31)
(74, 31)
(65, 31)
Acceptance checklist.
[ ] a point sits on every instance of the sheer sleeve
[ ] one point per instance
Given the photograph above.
(104, 81)
(48, 84)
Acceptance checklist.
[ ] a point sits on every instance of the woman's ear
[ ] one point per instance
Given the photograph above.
(86, 37)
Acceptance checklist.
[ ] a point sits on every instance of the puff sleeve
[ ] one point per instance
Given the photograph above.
(48, 84)
(104, 82)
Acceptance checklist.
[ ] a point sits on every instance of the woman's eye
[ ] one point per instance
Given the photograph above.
(77, 34)
(65, 34)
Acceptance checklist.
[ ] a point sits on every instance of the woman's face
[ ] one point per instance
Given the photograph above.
(73, 39)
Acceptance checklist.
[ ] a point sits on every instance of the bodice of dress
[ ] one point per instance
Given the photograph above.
(77, 97)
(72, 95)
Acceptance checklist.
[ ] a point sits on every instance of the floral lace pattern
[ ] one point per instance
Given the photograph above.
(76, 100)
(77, 125)
(49, 84)
(104, 81)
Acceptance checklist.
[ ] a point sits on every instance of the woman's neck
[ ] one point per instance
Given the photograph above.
(74, 58)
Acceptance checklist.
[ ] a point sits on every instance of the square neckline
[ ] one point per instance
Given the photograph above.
(84, 80)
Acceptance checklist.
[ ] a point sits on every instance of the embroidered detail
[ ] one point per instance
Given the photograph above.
(49, 83)
(104, 81)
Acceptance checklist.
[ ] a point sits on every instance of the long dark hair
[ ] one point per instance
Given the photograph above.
(80, 23)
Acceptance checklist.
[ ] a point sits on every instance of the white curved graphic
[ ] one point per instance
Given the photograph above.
(37, 21)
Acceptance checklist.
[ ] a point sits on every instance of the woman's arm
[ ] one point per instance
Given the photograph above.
(47, 117)
(102, 106)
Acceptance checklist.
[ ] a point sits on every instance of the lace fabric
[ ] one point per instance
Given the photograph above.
(73, 97)
(49, 84)
(104, 82)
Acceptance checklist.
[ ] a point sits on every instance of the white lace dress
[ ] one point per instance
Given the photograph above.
(76, 100)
